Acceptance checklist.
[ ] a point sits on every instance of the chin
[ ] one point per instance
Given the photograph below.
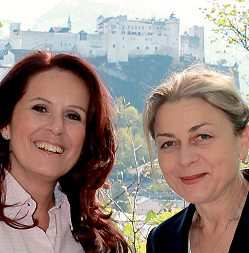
(191, 198)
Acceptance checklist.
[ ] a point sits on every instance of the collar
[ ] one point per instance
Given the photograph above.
(21, 204)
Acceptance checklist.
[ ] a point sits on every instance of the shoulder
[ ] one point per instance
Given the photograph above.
(173, 230)
(171, 224)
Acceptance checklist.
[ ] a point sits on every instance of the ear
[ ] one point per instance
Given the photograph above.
(5, 132)
(244, 144)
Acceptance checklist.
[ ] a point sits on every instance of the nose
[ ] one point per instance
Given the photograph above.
(56, 124)
(187, 155)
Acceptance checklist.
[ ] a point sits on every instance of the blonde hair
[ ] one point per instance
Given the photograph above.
(198, 82)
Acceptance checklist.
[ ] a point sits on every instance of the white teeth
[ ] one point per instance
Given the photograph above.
(49, 147)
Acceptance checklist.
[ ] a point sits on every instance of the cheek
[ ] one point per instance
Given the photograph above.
(23, 123)
(20, 131)
(166, 163)
(226, 155)
(78, 139)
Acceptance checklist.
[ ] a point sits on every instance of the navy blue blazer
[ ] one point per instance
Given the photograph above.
(171, 236)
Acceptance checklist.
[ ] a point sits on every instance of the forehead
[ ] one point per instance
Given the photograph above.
(182, 115)
(57, 86)
(55, 78)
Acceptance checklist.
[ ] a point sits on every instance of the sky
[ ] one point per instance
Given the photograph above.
(27, 11)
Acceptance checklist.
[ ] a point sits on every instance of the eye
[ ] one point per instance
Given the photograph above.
(73, 116)
(40, 108)
(168, 144)
(203, 137)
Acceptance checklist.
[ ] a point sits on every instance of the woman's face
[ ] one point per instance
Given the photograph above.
(197, 150)
(47, 129)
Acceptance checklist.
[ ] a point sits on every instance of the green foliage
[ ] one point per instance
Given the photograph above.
(136, 230)
(140, 244)
(131, 147)
(133, 180)
(231, 20)
(154, 218)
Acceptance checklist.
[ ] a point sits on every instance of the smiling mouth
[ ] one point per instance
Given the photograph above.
(44, 146)
(193, 179)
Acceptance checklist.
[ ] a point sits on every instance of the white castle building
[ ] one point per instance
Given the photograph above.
(116, 38)
(192, 44)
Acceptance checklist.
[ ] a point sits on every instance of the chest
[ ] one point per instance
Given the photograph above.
(57, 239)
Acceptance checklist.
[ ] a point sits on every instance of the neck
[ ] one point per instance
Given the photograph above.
(41, 191)
(226, 208)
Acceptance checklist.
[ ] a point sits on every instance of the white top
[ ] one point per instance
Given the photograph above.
(57, 239)
(189, 248)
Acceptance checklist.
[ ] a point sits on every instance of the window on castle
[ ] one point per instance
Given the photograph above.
(138, 48)
(113, 45)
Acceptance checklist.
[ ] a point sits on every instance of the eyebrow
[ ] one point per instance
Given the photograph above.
(191, 130)
(49, 102)
(194, 128)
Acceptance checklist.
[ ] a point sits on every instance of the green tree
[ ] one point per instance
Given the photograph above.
(131, 146)
(132, 180)
(231, 20)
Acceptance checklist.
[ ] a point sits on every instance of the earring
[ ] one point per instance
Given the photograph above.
(5, 135)
(245, 161)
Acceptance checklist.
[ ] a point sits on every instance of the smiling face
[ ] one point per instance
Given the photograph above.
(198, 152)
(47, 129)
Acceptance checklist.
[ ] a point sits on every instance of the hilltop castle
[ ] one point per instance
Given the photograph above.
(116, 38)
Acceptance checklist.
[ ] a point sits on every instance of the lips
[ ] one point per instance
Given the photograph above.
(193, 178)
(48, 147)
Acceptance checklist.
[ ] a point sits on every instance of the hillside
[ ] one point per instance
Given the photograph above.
(134, 79)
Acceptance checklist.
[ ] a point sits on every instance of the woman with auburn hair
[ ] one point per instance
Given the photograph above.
(199, 125)
(57, 148)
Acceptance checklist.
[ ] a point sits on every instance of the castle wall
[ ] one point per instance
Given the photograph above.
(117, 38)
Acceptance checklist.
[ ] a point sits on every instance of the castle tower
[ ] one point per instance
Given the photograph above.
(15, 38)
(15, 28)
(69, 24)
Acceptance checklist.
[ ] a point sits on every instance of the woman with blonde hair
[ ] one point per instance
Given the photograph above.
(198, 122)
